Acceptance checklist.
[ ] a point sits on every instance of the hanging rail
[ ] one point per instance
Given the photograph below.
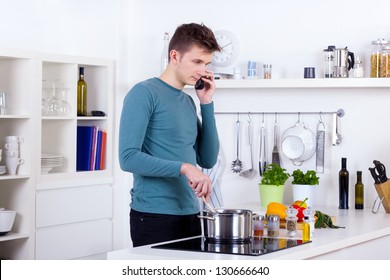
(339, 112)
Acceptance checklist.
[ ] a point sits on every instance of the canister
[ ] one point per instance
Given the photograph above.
(385, 62)
(376, 54)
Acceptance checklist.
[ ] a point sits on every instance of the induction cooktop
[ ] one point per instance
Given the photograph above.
(256, 247)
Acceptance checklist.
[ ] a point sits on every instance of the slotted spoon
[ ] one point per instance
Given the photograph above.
(237, 164)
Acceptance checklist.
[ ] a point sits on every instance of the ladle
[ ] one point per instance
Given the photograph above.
(237, 164)
(249, 172)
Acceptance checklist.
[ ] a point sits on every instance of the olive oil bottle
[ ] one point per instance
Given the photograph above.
(359, 191)
(343, 185)
(81, 94)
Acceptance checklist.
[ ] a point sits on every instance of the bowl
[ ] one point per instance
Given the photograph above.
(7, 218)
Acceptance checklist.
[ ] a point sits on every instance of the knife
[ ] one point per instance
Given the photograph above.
(374, 175)
(381, 169)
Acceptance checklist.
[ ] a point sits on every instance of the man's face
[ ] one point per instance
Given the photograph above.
(192, 65)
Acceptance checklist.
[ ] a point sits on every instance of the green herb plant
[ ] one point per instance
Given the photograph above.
(308, 178)
(274, 175)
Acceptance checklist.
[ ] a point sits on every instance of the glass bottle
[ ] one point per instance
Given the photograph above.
(359, 191)
(81, 94)
(343, 185)
(358, 68)
(376, 57)
(306, 229)
(273, 225)
(165, 54)
(328, 61)
(291, 221)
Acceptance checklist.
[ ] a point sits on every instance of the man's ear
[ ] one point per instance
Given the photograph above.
(174, 56)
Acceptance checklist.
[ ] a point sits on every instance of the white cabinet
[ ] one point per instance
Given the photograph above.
(64, 204)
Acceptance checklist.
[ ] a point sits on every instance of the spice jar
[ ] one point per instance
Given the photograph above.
(376, 53)
(358, 68)
(258, 225)
(273, 223)
(291, 221)
(310, 219)
(385, 62)
(267, 69)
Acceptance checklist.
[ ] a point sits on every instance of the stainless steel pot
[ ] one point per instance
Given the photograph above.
(227, 225)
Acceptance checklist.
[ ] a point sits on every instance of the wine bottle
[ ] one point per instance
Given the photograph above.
(81, 94)
(359, 191)
(165, 54)
(343, 185)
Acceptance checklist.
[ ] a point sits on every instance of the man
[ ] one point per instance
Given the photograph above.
(161, 140)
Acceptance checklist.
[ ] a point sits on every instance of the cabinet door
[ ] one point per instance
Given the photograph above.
(74, 240)
(71, 205)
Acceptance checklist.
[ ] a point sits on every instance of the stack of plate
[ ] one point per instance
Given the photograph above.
(49, 161)
(2, 169)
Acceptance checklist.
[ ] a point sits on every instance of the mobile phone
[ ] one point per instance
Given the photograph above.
(199, 84)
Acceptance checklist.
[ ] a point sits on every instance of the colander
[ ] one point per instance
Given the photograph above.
(292, 147)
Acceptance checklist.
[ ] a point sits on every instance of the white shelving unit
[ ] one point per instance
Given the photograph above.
(76, 207)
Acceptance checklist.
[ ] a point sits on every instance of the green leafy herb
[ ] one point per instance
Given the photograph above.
(274, 175)
(308, 178)
(324, 221)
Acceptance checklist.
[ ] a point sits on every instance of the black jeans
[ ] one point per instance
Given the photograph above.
(148, 228)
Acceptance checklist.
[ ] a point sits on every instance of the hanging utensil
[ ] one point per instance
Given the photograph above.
(262, 149)
(336, 136)
(251, 171)
(275, 153)
(320, 149)
(237, 164)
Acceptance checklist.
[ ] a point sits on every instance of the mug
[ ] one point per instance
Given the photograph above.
(12, 164)
(9, 139)
(12, 146)
(309, 73)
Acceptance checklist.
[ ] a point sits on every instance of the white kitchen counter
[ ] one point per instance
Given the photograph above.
(366, 236)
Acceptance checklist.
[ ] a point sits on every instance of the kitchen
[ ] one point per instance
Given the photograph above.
(289, 38)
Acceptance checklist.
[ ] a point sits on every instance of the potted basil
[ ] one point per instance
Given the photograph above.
(303, 185)
(272, 184)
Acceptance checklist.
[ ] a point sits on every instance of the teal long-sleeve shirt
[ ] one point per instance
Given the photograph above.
(159, 131)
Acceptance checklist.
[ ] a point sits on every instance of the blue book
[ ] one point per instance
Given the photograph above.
(98, 150)
(84, 147)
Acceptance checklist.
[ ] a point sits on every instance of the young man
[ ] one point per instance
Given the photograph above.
(161, 140)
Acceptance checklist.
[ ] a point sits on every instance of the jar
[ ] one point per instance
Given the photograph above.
(291, 221)
(310, 219)
(358, 68)
(376, 54)
(273, 224)
(267, 69)
(258, 226)
(385, 62)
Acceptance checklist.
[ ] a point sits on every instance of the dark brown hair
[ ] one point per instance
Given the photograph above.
(188, 35)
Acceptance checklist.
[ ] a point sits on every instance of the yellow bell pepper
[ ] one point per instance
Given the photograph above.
(276, 208)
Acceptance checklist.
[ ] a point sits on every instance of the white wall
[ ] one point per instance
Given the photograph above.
(288, 34)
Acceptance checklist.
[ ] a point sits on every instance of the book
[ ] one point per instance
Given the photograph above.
(84, 148)
(103, 151)
(94, 145)
(98, 150)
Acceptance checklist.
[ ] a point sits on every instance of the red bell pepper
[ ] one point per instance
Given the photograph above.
(300, 214)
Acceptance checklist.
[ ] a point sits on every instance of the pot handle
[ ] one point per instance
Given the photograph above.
(206, 217)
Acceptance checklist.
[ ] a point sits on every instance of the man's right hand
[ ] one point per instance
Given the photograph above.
(197, 180)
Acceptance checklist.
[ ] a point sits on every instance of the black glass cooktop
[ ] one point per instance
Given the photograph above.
(256, 247)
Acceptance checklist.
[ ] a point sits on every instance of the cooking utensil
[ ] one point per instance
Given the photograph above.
(237, 164)
(343, 62)
(211, 208)
(381, 171)
(336, 136)
(249, 172)
(262, 149)
(275, 153)
(320, 149)
(308, 139)
(293, 147)
(227, 225)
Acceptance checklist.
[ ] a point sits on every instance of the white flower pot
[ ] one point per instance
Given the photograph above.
(300, 192)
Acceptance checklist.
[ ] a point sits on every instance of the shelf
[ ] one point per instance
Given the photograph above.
(13, 177)
(303, 83)
(13, 236)
(14, 117)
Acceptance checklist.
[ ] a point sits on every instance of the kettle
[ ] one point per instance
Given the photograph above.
(343, 62)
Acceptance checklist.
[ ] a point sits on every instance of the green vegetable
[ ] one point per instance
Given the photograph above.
(308, 178)
(274, 175)
(324, 221)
